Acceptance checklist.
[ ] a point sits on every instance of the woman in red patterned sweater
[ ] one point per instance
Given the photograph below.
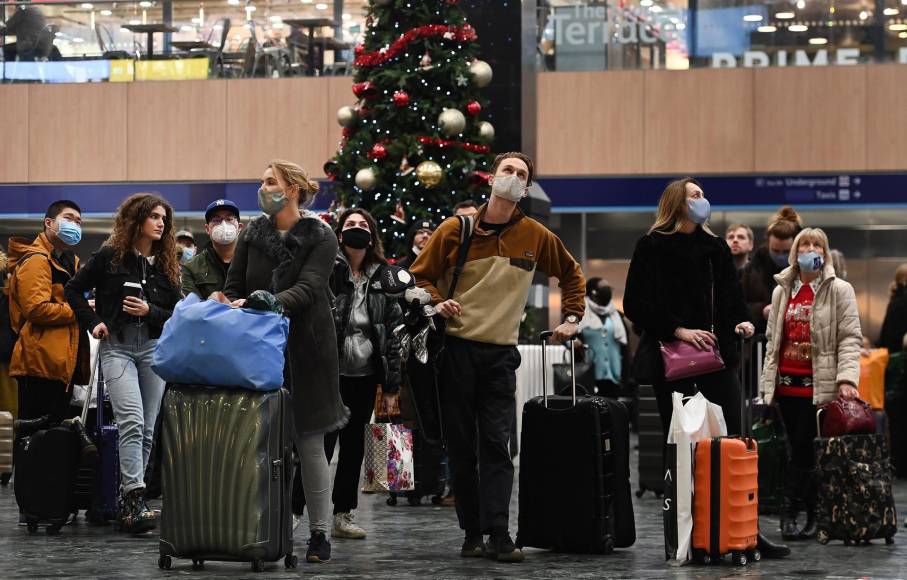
(813, 356)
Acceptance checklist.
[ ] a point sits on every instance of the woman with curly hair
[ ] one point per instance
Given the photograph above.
(136, 278)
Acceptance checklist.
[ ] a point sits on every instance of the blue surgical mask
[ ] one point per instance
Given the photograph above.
(70, 233)
(782, 259)
(699, 210)
(188, 254)
(810, 262)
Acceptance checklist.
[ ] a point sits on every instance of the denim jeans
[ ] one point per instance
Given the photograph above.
(135, 394)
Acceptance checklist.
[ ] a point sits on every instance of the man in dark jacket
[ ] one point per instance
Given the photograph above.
(417, 237)
(206, 273)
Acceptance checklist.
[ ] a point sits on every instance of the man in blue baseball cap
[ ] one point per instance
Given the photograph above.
(206, 273)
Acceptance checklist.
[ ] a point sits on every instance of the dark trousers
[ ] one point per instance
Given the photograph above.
(39, 397)
(721, 388)
(479, 383)
(799, 416)
(358, 394)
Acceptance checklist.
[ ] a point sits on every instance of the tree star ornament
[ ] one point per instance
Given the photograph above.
(462, 81)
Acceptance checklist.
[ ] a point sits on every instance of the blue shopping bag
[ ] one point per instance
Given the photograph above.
(209, 343)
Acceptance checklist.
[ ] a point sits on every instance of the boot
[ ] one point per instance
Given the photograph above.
(790, 504)
(770, 549)
(135, 517)
(88, 449)
(809, 493)
(24, 427)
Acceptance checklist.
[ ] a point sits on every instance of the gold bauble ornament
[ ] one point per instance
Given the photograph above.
(429, 174)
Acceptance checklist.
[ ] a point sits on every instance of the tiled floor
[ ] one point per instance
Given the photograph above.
(423, 542)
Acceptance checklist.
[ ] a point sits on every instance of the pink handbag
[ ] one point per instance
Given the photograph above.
(683, 360)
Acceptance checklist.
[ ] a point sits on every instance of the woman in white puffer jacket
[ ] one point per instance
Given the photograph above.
(813, 356)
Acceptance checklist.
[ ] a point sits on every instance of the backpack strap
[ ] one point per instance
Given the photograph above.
(467, 229)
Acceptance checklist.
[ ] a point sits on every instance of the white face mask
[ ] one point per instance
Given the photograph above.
(224, 233)
(416, 250)
(508, 187)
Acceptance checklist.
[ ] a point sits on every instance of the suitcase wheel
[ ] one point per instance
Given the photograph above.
(701, 557)
(198, 564)
(392, 500)
(414, 499)
(889, 540)
(290, 562)
(164, 562)
(32, 527)
(5, 477)
(754, 555)
(258, 565)
(739, 559)
(823, 537)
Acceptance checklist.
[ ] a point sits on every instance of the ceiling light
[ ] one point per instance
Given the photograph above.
(87, 5)
(251, 8)
(196, 20)
(818, 41)
(646, 3)
(187, 28)
(346, 16)
(891, 12)
(307, 1)
(78, 40)
(864, 15)
(321, 6)
(798, 28)
(233, 2)
(145, 4)
(275, 19)
(752, 18)
(135, 21)
(656, 9)
(897, 27)
(784, 15)
(902, 35)
(801, 4)
(767, 28)
(106, 13)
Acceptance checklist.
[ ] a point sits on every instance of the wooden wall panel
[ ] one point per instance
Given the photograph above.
(811, 119)
(886, 118)
(268, 119)
(699, 121)
(590, 123)
(339, 93)
(77, 133)
(14, 142)
(178, 130)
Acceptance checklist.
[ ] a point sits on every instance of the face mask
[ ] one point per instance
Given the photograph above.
(508, 187)
(224, 233)
(810, 262)
(699, 210)
(68, 232)
(356, 238)
(188, 254)
(780, 258)
(271, 202)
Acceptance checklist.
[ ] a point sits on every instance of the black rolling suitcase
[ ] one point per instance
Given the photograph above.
(575, 449)
(651, 444)
(227, 474)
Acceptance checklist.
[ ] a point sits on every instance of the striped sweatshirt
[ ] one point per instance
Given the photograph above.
(494, 286)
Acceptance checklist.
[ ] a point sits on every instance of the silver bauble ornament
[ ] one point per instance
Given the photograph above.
(365, 179)
(346, 116)
(486, 132)
(452, 122)
(481, 73)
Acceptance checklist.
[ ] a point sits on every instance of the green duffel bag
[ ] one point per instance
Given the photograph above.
(774, 454)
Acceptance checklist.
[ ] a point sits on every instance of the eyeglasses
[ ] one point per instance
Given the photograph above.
(217, 221)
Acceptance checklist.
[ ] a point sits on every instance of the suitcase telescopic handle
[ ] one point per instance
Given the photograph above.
(543, 338)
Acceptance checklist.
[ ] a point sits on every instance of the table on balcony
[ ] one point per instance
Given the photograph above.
(150, 30)
(311, 24)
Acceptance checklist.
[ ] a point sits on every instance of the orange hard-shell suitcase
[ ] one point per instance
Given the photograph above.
(726, 500)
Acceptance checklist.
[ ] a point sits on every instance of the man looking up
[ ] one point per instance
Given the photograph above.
(480, 357)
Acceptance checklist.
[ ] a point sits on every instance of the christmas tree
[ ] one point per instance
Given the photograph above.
(415, 143)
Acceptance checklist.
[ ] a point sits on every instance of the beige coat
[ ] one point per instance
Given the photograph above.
(835, 335)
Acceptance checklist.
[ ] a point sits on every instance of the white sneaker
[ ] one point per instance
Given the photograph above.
(345, 528)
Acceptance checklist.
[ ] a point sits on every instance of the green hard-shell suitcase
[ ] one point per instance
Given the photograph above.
(227, 474)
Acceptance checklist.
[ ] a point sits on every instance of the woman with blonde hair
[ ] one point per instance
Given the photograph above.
(894, 327)
(812, 356)
(136, 278)
(290, 252)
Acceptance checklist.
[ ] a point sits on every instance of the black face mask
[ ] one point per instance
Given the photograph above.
(356, 238)
(602, 295)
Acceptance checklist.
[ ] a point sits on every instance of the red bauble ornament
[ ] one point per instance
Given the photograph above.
(365, 90)
(378, 152)
(359, 50)
(401, 99)
(474, 108)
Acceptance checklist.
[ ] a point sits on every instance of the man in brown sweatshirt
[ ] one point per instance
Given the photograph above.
(480, 357)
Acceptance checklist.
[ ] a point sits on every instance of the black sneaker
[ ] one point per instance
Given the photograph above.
(319, 549)
(473, 546)
(135, 517)
(501, 548)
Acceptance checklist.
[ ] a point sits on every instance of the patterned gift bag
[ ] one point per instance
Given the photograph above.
(388, 458)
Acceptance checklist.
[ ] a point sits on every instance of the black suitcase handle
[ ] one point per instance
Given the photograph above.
(543, 338)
